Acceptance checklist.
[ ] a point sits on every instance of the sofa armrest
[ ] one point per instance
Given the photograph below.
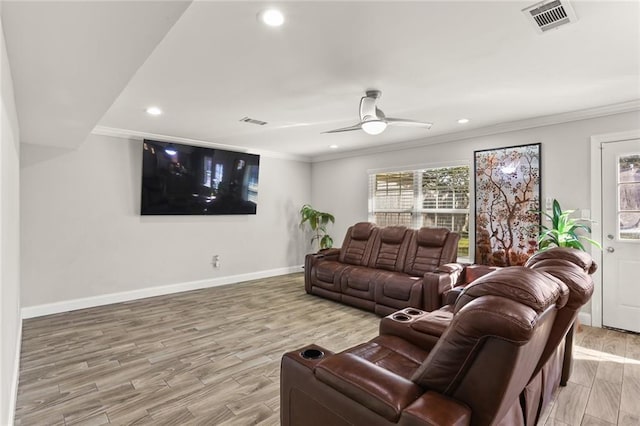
(361, 381)
(451, 268)
(330, 253)
(434, 323)
(312, 258)
(324, 254)
(434, 284)
(434, 409)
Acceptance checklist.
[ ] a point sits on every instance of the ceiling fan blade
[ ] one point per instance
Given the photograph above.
(407, 123)
(346, 129)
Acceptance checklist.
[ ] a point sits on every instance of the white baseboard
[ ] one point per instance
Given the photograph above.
(584, 318)
(13, 395)
(107, 299)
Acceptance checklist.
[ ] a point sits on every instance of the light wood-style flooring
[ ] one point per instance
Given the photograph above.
(604, 387)
(212, 357)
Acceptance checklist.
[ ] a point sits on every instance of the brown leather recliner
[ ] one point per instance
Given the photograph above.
(474, 374)
(573, 268)
(323, 270)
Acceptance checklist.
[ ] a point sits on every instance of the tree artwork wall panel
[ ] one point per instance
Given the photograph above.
(507, 195)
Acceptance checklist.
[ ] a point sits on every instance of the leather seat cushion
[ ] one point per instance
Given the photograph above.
(396, 285)
(358, 281)
(326, 273)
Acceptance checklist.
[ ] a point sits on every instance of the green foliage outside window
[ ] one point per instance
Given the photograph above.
(428, 197)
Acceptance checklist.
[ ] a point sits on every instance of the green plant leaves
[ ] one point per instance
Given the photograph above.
(564, 231)
(326, 242)
(318, 222)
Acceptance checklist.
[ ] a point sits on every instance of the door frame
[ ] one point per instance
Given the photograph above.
(596, 212)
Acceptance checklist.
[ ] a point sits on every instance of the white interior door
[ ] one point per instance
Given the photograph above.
(621, 235)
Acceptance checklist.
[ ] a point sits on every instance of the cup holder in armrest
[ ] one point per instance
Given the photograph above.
(412, 311)
(311, 354)
(401, 317)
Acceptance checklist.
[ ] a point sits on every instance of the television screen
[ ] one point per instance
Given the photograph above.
(193, 180)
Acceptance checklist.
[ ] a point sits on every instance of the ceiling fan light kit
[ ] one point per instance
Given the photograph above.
(373, 121)
(374, 127)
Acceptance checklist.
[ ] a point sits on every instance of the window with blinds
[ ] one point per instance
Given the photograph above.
(426, 197)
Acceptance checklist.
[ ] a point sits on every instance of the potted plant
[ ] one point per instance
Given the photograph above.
(318, 222)
(564, 230)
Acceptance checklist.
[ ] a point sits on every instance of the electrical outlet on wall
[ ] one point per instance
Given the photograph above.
(548, 204)
(215, 261)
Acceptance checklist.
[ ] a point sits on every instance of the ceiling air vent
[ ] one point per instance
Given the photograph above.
(253, 121)
(548, 15)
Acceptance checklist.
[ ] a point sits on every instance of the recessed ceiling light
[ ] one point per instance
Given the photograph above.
(271, 17)
(333, 146)
(154, 110)
(463, 121)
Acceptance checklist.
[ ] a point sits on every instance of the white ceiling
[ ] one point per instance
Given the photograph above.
(433, 61)
(70, 60)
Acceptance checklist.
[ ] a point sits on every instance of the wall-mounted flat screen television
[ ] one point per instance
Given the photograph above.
(193, 180)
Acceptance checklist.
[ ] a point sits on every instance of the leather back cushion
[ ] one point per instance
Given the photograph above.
(578, 257)
(503, 305)
(490, 316)
(390, 248)
(487, 356)
(573, 267)
(362, 231)
(432, 237)
(580, 290)
(430, 248)
(357, 245)
(531, 288)
(576, 279)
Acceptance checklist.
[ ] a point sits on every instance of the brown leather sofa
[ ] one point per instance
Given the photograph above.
(386, 269)
(490, 357)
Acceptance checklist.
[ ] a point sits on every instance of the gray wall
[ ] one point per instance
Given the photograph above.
(83, 236)
(10, 239)
(565, 166)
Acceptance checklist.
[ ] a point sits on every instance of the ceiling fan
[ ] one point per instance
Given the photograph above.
(372, 119)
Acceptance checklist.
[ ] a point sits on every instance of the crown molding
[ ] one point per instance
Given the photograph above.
(511, 126)
(136, 135)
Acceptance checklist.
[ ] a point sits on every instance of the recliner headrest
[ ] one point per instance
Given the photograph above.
(362, 230)
(578, 257)
(576, 279)
(393, 234)
(432, 236)
(532, 288)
